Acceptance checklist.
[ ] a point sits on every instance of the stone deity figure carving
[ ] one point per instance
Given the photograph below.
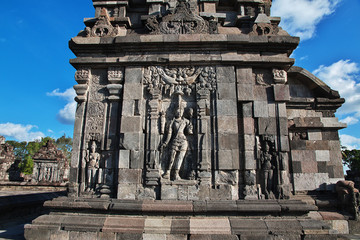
(92, 161)
(176, 139)
(267, 165)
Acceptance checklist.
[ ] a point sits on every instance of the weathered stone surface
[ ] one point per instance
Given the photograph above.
(209, 226)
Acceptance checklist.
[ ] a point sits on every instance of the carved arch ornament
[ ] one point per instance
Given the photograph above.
(184, 20)
(167, 81)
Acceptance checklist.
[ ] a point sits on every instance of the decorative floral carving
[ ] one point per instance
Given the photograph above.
(280, 76)
(82, 75)
(181, 79)
(115, 74)
(182, 21)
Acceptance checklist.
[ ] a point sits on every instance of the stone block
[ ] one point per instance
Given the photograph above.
(213, 237)
(282, 110)
(244, 75)
(129, 236)
(296, 166)
(334, 145)
(322, 155)
(260, 93)
(228, 141)
(271, 110)
(281, 93)
(82, 235)
(133, 91)
(130, 176)
(131, 140)
(180, 226)
(147, 236)
(131, 124)
(261, 109)
(317, 145)
(330, 135)
(128, 107)
(322, 167)
(298, 144)
(283, 226)
(339, 226)
(209, 225)
(227, 108)
(335, 158)
(32, 233)
(247, 110)
(228, 159)
(310, 181)
(179, 57)
(133, 75)
(283, 126)
(249, 142)
(124, 158)
(335, 171)
(228, 124)
(267, 126)
(177, 237)
(250, 161)
(248, 127)
(189, 38)
(244, 92)
(136, 159)
(225, 74)
(247, 226)
(157, 225)
(314, 134)
(226, 91)
(309, 167)
(284, 144)
(123, 224)
(303, 155)
(127, 191)
(169, 192)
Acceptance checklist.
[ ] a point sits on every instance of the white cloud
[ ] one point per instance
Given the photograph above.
(67, 114)
(20, 132)
(68, 95)
(342, 76)
(349, 141)
(350, 120)
(300, 17)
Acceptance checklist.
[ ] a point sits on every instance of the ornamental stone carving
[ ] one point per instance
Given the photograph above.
(184, 20)
(280, 76)
(177, 142)
(181, 79)
(92, 159)
(103, 27)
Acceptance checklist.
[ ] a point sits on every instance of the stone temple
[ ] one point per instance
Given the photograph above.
(193, 123)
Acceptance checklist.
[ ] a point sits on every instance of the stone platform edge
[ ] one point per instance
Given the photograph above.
(172, 207)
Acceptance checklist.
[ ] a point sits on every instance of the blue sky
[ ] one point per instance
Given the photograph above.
(36, 78)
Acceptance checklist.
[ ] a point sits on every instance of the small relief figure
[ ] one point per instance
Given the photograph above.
(267, 159)
(176, 139)
(92, 164)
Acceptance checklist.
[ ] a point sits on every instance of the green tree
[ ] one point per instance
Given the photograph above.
(351, 158)
(65, 145)
(27, 165)
(19, 149)
(25, 151)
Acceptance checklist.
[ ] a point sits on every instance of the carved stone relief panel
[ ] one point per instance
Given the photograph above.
(175, 96)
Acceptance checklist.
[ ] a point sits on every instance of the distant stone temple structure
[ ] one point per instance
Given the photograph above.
(7, 158)
(50, 165)
(192, 108)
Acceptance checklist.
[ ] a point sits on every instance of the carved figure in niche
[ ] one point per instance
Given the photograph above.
(268, 165)
(176, 139)
(92, 164)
